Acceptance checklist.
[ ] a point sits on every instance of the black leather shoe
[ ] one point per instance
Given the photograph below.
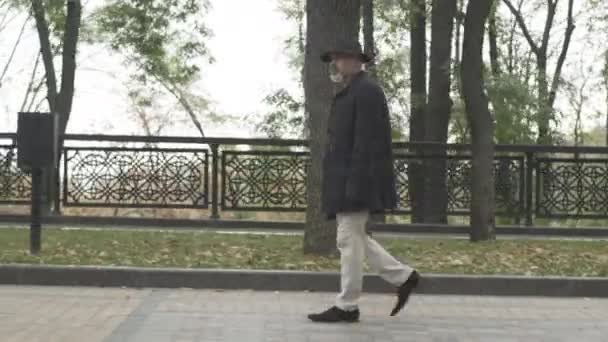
(335, 315)
(404, 291)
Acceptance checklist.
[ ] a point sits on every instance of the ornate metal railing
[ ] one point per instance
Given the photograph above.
(270, 175)
(136, 177)
(15, 185)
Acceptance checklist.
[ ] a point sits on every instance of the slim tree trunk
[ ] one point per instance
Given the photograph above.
(482, 127)
(493, 38)
(438, 110)
(369, 47)
(369, 44)
(327, 21)
(546, 95)
(418, 70)
(458, 30)
(60, 102)
(606, 89)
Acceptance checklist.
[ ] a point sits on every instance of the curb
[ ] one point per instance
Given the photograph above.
(293, 281)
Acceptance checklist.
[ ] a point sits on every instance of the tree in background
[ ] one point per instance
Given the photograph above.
(510, 85)
(482, 126)
(383, 27)
(547, 85)
(285, 117)
(437, 116)
(369, 44)
(327, 22)
(60, 98)
(151, 35)
(418, 96)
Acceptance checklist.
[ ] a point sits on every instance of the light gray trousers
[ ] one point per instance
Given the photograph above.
(355, 245)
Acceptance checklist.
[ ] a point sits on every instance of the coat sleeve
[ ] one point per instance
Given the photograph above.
(368, 110)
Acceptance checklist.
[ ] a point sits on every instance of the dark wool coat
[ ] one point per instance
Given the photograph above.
(358, 162)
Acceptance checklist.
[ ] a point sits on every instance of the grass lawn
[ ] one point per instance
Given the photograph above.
(240, 251)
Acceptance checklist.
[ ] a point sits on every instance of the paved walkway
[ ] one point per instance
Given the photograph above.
(30, 314)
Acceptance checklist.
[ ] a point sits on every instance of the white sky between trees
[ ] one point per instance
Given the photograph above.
(247, 45)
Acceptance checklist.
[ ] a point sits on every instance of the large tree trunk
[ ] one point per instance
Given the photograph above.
(438, 110)
(482, 127)
(327, 21)
(369, 47)
(418, 69)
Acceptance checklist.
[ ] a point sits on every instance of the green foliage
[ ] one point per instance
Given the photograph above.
(55, 15)
(286, 116)
(285, 119)
(392, 63)
(164, 39)
(514, 108)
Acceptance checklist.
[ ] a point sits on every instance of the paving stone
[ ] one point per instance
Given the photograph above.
(65, 314)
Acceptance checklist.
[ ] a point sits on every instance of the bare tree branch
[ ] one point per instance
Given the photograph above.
(31, 83)
(12, 55)
(551, 9)
(562, 57)
(179, 95)
(522, 24)
(5, 8)
(35, 92)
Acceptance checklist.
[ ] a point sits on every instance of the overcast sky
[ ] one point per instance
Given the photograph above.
(250, 62)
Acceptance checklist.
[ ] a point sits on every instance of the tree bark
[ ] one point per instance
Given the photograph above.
(327, 21)
(438, 110)
(418, 95)
(482, 127)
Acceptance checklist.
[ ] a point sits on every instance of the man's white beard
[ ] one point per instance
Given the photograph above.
(336, 78)
(334, 75)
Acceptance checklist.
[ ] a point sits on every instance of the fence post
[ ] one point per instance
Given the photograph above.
(35, 227)
(214, 182)
(529, 188)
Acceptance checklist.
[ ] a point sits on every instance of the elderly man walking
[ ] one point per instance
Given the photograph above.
(359, 181)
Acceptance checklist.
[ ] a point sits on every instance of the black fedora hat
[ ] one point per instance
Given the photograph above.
(352, 48)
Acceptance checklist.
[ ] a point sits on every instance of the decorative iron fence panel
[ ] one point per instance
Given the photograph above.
(264, 180)
(530, 181)
(509, 175)
(568, 188)
(136, 177)
(15, 185)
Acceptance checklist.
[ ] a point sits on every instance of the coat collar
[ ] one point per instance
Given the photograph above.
(356, 79)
